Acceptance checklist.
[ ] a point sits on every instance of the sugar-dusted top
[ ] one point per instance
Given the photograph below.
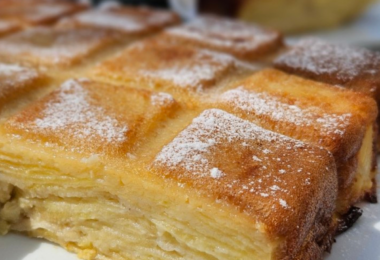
(54, 46)
(37, 12)
(14, 80)
(84, 115)
(170, 65)
(313, 112)
(8, 27)
(282, 111)
(11, 74)
(275, 178)
(126, 19)
(72, 110)
(316, 57)
(235, 37)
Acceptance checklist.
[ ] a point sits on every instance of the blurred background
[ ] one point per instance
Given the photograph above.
(355, 22)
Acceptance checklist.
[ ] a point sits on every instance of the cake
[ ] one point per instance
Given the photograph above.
(37, 12)
(171, 147)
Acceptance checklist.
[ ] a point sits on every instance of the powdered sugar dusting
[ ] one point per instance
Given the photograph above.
(319, 57)
(225, 33)
(263, 104)
(195, 150)
(54, 45)
(204, 66)
(161, 99)
(210, 128)
(7, 26)
(73, 112)
(216, 173)
(13, 77)
(125, 19)
(108, 19)
(12, 74)
(48, 10)
(283, 203)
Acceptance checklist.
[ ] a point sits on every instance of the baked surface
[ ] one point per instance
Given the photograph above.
(192, 165)
(164, 65)
(245, 41)
(126, 20)
(7, 27)
(78, 117)
(356, 69)
(170, 148)
(59, 47)
(16, 81)
(305, 110)
(37, 12)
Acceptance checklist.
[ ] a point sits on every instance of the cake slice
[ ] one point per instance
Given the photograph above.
(7, 27)
(16, 82)
(106, 172)
(341, 121)
(128, 21)
(182, 70)
(353, 68)
(37, 12)
(54, 47)
(245, 41)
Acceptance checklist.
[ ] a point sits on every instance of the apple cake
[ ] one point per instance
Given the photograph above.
(186, 144)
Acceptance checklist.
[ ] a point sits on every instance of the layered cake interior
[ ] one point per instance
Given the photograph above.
(120, 139)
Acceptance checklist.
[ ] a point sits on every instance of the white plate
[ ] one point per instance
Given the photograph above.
(361, 242)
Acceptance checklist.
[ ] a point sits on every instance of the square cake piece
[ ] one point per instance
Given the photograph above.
(54, 47)
(37, 12)
(245, 41)
(186, 201)
(306, 110)
(159, 64)
(354, 68)
(7, 27)
(87, 115)
(16, 81)
(128, 21)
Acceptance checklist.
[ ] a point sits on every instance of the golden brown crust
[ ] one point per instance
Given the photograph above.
(245, 41)
(7, 27)
(285, 188)
(88, 116)
(130, 21)
(159, 64)
(37, 12)
(356, 69)
(257, 171)
(16, 81)
(304, 109)
(59, 47)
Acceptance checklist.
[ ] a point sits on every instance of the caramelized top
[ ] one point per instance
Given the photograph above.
(37, 12)
(88, 116)
(54, 46)
(245, 41)
(128, 20)
(8, 27)
(303, 109)
(170, 66)
(279, 181)
(333, 63)
(15, 81)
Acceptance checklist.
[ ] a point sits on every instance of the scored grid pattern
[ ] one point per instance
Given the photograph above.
(169, 80)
